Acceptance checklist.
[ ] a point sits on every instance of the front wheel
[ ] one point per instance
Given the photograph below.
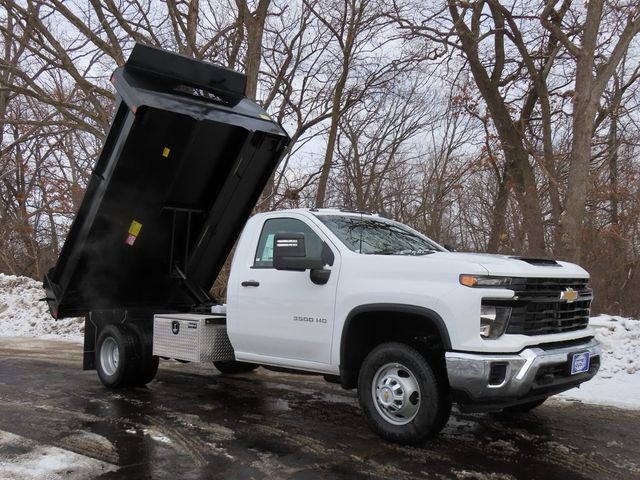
(403, 398)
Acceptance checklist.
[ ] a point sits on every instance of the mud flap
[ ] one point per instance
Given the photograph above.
(89, 353)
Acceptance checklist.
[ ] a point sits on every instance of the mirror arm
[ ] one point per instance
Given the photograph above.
(319, 276)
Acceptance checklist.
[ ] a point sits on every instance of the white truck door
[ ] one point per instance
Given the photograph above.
(282, 317)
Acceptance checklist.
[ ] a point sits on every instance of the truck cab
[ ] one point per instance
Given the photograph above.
(498, 332)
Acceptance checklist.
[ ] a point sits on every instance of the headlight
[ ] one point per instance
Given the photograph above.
(484, 281)
(493, 320)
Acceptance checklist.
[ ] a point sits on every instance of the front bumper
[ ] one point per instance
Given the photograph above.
(486, 382)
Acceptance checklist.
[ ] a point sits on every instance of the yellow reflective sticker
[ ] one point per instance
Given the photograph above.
(166, 152)
(134, 228)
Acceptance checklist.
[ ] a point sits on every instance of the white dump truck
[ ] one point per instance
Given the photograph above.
(365, 301)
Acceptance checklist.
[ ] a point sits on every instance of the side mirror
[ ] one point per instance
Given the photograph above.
(289, 253)
(451, 248)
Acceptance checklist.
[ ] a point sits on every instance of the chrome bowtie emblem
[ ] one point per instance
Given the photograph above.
(570, 295)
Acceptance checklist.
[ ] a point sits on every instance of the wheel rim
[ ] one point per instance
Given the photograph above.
(109, 356)
(396, 393)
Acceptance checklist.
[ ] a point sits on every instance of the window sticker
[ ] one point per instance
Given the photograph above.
(267, 251)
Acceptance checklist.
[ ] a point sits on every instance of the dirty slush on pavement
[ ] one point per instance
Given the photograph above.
(192, 423)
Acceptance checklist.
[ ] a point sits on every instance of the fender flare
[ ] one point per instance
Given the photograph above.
(395, 308)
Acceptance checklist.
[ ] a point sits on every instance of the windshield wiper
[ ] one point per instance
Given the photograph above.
(420, 251)
(390, 251)
(386, 251)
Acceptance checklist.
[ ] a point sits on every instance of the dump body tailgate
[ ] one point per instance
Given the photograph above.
(184, 163)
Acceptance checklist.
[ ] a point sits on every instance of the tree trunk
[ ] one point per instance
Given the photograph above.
(336, 109)
(498, 230)
(331, 145)
(511, 138)
(584, 110)
(333, 129)
(254, 25)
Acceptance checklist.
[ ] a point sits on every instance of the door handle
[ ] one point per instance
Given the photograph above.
(250, 283)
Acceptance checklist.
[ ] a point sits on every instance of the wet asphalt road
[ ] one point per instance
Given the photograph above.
(192, 423)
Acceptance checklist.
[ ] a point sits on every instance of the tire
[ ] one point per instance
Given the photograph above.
(147, 362)
(524, 407)
(402, 395)
(116, 356)
(231, 367)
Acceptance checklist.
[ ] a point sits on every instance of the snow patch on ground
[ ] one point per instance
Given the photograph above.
(22, 314)
(471, 475)
(156, 435)
(618, 381)
(24, 459)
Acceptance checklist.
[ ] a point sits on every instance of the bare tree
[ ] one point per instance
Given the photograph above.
(295, 86)
(359, 30)
(596, 61)
(489, 37)
(373, 144)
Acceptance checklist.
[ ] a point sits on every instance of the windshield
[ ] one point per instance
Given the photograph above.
(376, 237)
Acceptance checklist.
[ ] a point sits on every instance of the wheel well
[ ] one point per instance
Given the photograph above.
(95, 322)
(367, 327)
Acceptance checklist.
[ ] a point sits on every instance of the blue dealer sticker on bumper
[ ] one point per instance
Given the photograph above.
(580, 363)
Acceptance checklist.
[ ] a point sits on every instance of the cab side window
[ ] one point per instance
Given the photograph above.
(264, 252)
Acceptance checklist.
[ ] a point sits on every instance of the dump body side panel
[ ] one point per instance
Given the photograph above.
(177, 178)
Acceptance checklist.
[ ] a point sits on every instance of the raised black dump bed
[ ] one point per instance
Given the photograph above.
(184, 163)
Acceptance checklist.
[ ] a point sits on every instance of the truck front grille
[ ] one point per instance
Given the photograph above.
(539, 309)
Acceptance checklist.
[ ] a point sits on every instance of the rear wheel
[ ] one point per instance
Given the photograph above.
(403, 398)
(116, 356)
(230, 367)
